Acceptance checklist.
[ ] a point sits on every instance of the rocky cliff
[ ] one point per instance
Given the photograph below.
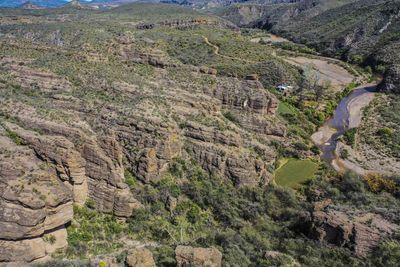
(361, 232)
(77, 117)
(391, 81)
(34, 202)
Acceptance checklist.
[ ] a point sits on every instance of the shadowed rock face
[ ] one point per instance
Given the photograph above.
(362, 233)
(391, 82)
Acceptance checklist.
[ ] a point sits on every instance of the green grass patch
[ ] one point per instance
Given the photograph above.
(294, 172)
(284, 108)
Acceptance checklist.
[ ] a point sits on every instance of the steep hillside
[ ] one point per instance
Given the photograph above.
(358, 31)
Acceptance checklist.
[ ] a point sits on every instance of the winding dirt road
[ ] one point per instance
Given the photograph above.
(216, 52)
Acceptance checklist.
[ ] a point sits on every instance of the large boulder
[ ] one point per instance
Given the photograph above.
(140, 257)
(391, 82)
(187, 256)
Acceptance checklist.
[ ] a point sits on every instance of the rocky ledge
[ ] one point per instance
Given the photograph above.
(359, 232)
(34, 204)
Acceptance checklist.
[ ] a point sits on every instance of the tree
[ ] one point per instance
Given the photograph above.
(322, 89)
(312, 82)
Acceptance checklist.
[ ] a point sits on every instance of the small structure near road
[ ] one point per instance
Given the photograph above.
(284, 89)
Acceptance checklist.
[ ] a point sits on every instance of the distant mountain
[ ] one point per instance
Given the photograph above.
(222, 3)
(43, 3)
(58, 3)
(30, 5)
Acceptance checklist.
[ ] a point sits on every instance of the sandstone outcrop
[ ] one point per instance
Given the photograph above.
(140, 257)
(361, 233)
(90, 167)
(34, 203)
(124, 45)
(29, 78)
(207, 70)
(156, 59)
(185, 24)
(197, 257)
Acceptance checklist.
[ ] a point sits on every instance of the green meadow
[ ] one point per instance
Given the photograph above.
(294, 172)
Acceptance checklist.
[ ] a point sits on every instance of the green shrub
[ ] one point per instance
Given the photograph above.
(387, 254)
(93, 233)
(230, 116)
(301, 146)
(344, 153)
(90, 203)
(130, 180)
(164, 256)
(350, 136)
(49, 238)
(385, 132)
(357, 59)
(15, 137)
(380, 69)
(315, 149)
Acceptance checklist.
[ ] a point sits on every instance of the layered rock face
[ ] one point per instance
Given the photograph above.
(391, 81)
(34, 203)
(361, 233)
(88, 166)
(28, 77)
(184, 24)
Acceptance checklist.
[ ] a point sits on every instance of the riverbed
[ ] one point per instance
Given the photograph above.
(347, 115)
